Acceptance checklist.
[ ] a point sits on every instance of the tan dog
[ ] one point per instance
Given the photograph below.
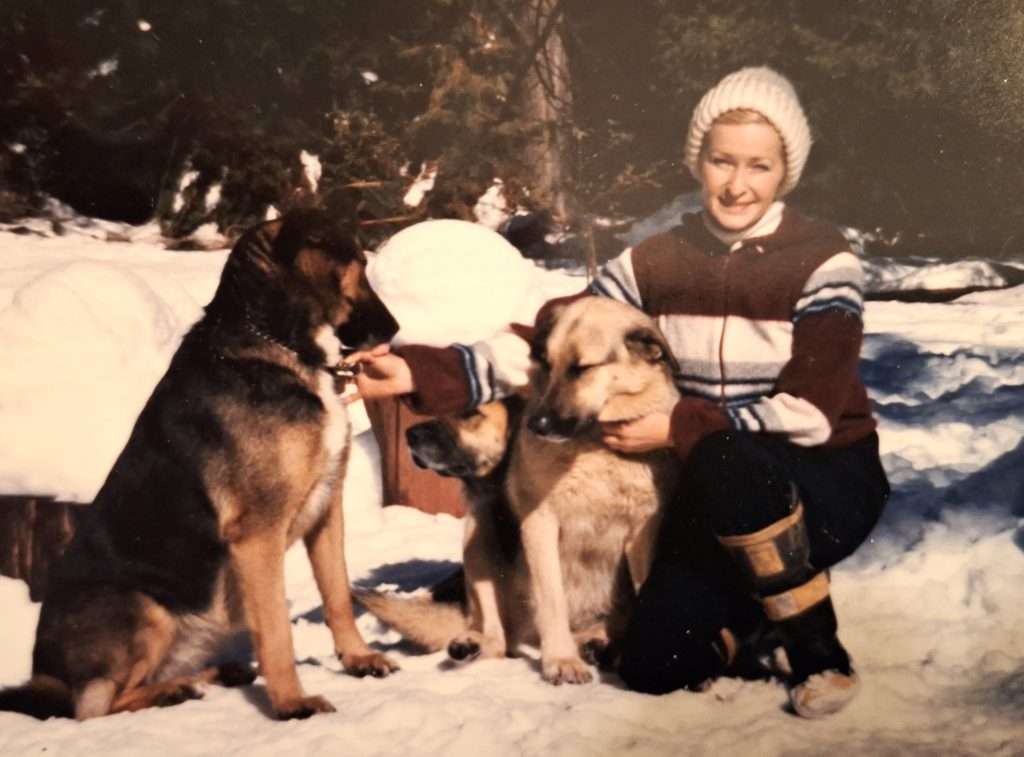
(589, 515)
(240, 451)
(579, 503)
(483, 610)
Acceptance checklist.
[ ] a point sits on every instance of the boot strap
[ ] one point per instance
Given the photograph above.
(770, 551)
(795, 601)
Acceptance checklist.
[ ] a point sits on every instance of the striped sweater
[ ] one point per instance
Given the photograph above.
(767, 332)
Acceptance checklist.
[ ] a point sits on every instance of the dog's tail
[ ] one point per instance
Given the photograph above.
(423, 620)
(42, 697)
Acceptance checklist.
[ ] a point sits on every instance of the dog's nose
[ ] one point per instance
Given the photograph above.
(542, 424)
(415, 435)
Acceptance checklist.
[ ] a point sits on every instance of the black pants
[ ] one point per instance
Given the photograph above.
(737, 483)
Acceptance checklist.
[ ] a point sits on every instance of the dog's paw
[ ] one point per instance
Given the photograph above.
(235, 674)
(566, 670)
(177, 694)
(302, 708)
(593, 651)
(369, 664)
(463, 649)
(471, 645)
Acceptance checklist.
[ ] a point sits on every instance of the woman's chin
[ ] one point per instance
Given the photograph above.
(734, 222)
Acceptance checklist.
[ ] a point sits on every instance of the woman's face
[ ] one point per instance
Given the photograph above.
(741, 168)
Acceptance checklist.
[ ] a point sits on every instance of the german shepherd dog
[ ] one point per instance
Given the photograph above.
(583, 518)
(240, 451)
(478, 611)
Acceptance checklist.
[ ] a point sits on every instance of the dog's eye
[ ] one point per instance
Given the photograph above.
(578, 369)
(540, 359)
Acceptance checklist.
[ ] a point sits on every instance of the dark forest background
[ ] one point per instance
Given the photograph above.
(579, 106)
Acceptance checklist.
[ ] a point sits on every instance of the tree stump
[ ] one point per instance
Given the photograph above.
(34, 531)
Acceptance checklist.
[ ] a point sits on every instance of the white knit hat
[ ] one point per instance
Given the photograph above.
(770, 94)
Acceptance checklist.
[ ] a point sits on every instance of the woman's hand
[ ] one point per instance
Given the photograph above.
(643, 434)
(382, 374)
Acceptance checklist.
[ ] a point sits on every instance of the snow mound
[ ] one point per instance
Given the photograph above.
(84, 340)
(94, 306)
(449, 281)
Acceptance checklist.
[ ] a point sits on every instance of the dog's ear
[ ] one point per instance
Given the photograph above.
(313, 227)
(539, 346)
(300, 227)
(649, 344)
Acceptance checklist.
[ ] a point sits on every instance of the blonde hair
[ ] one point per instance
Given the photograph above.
(739, 117)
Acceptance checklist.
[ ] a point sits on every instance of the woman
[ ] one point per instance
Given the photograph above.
(774, 433)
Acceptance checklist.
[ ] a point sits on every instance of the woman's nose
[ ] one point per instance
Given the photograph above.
(734, 185)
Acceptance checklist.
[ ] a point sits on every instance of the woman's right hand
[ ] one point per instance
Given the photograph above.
(382, 374)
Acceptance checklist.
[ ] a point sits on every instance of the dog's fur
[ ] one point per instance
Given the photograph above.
(240, 451)
(588, 515)
(579, 504)
(478, 610)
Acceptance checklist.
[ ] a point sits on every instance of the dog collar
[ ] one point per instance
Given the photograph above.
(343, 374)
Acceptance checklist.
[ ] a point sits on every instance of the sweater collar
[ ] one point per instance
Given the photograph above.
(789, 227)
(733, 240)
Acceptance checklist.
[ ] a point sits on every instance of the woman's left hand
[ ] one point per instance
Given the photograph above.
(643, 434)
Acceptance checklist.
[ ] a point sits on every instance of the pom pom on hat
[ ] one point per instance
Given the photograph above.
(769, 93)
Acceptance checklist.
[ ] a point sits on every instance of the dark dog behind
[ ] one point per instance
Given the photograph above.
(240, 450)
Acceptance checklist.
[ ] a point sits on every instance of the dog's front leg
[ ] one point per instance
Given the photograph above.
(325, 544)
(559, 656)
(481, 554)
(258, 562)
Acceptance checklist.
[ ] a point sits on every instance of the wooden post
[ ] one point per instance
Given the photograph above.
(34, 531)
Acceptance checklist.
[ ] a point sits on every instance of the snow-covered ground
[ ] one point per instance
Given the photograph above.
(930, 608)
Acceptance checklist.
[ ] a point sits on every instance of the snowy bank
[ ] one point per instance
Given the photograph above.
(930, 607)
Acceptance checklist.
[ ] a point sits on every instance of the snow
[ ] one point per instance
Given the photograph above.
(491, 208)
(494, 285)
(915, 273)
(930, 607)
(187, 179)
(311, 169)
(421, 185)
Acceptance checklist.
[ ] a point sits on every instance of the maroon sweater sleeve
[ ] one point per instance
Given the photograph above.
(694, 418)
(439, 375)
(823, 368)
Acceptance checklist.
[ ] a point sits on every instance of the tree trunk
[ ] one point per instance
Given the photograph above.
(547, 104)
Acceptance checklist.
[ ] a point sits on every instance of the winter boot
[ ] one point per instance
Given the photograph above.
(776, 560)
